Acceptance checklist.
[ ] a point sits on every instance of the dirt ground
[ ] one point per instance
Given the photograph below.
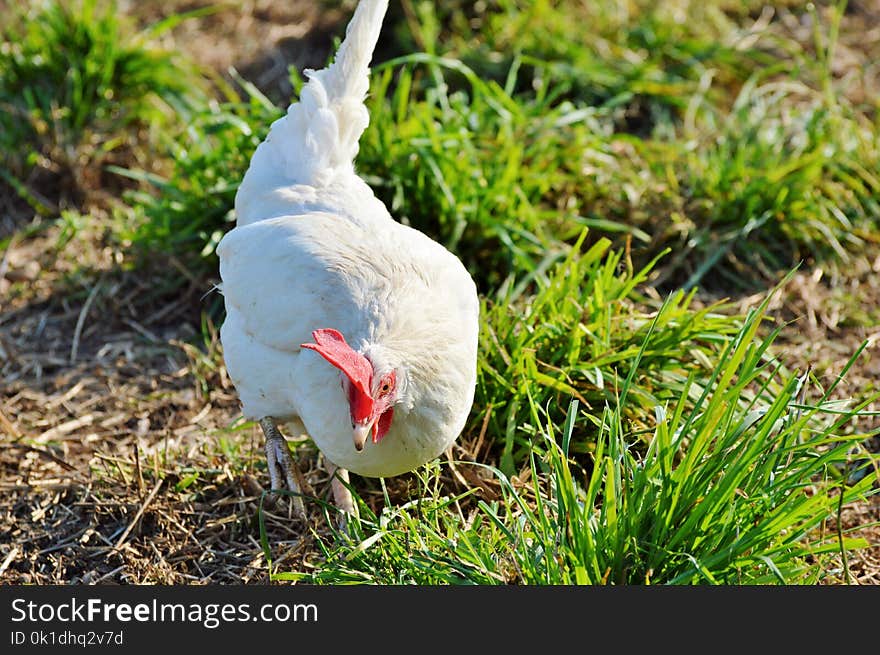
(96, 368)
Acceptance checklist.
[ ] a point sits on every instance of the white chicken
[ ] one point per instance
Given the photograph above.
(340, 321)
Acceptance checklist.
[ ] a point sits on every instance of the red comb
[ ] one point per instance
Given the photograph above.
(330, 344)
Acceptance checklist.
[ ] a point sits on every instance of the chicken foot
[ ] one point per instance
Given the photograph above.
(284, 473)
(282, 468)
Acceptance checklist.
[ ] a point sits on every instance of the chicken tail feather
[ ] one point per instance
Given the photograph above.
(318, 138)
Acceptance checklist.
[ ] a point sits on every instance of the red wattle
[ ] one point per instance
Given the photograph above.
(381, 427)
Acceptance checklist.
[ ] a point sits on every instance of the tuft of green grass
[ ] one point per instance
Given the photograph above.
(490, 175)
(79, 87)
(643, 59)
(575, 330)
(783, 177)
(719, 492)
(187, 212)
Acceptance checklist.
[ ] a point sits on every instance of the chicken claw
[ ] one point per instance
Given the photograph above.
(282, 468)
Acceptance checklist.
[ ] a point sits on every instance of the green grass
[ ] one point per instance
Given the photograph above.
(188, 212)
(576, 334)
(463, 165)
(743, 174)
(783, 177)
(644, 59)
(80, 88)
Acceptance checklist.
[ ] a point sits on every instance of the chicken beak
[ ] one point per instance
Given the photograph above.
(361, 432)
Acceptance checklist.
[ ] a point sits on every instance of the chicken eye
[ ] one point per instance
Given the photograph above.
(387, 384)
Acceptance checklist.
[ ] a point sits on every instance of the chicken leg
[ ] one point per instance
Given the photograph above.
(342, 497)
(282, 468)
(284, 472)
